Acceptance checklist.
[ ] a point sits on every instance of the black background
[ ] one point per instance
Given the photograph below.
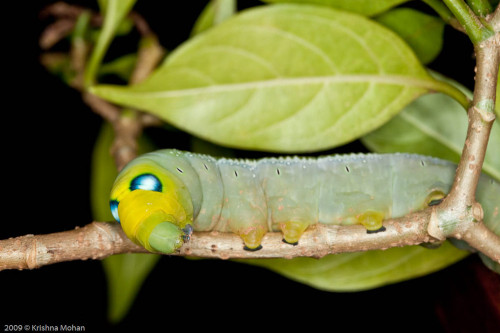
(48, 136)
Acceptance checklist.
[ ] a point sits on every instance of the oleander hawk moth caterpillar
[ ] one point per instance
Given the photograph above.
(161, 197)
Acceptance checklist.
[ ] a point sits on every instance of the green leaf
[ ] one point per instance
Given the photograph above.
(424, 33)
(114, 12)
(364, 270)
(214, 13)
(102, 176)
(125, 273)
(363, 7)
(121, 67)
(434, 125)
(487, 195)
(200, 146)
(284, 78)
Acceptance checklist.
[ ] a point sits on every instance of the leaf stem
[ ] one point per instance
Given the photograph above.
(444, 13)
(114, 13)
(480, 7)
(453, 92)
(471, 23)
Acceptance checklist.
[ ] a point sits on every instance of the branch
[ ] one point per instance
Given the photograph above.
(459, 214)
(94, 241)
(129, 125)
(102, 239)
(484, 240)
(481, 117)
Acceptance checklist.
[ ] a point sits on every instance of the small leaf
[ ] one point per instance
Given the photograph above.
(284, 78)
(125, 273)
(434, 125)
(114, 12)
(363, 7)
(364, 270)
(121, 67)
(214, 13)
(102, 176)
(424, 33)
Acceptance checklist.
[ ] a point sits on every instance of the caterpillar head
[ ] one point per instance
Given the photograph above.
(153, 207)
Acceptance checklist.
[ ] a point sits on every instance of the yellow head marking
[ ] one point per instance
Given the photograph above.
(141, 211)
(145, 196)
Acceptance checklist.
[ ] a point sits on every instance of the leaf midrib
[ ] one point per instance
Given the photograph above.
(401, 80)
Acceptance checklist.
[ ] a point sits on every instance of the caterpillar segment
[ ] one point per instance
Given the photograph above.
(161, 197)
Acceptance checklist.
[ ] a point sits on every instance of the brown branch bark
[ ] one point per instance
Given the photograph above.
(94, 241)
(484, 240)
(459, 213)
(101, 239)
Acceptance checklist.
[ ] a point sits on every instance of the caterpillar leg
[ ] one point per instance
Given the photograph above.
(252, 237)
(292, 231)
(372, 221)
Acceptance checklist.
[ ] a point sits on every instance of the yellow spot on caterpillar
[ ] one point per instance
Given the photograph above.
(371, 220)
(434, 197)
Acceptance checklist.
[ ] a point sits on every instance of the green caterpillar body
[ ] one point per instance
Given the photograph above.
(161, 196)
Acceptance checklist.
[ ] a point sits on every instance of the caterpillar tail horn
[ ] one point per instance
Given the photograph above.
(154, 220)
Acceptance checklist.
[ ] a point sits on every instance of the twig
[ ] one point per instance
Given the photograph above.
(101, 239)
(484, 240)
(459, 214)
(130, 124)
(93, 241)
(127, 124)
(55, 32)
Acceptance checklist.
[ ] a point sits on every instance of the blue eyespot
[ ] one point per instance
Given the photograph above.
(147, 182)
(113, 204)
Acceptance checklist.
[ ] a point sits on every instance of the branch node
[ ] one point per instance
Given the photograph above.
(485, 114)
(477, 212)
(433, 228)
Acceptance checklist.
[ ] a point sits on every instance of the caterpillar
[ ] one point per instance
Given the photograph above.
(161, 197)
